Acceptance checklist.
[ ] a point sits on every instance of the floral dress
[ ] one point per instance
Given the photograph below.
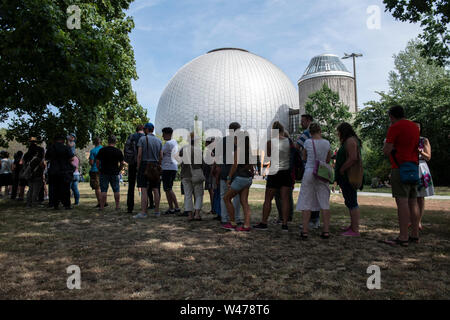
(425, 187)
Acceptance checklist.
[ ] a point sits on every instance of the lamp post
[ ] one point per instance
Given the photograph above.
(353, 55)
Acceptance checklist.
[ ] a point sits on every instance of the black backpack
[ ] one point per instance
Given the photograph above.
(296, 162)
(130, 150)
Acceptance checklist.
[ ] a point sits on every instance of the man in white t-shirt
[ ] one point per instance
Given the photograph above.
(169, 169)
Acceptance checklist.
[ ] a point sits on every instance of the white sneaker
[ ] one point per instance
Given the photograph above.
(140, 216)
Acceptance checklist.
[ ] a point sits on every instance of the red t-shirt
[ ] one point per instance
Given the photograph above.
(404, 135)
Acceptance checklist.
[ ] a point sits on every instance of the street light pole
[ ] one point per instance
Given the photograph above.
(353, 55)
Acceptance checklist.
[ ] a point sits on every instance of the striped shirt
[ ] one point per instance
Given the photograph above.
(304, 136)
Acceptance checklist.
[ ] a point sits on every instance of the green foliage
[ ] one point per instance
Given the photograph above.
(57, 80)
(326, 109)
(424, 91)
(434, 18)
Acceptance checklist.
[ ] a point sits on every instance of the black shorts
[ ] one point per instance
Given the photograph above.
(350, 195)
(282, 178)
(142, 180)
(168, 177)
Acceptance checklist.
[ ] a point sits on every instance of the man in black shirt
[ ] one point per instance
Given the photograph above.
(60, 172)
(110, 162)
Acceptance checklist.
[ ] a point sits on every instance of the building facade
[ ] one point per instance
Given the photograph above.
(223, 86)
(327, 68)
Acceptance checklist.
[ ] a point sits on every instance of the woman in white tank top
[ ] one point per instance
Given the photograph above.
(279, 178)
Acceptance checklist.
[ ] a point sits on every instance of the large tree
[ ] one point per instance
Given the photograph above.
(434, 17)
(56, 79)
(424, 91)
(326, 109)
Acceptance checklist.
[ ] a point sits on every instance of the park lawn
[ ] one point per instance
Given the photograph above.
(439, 191)
(170, 258)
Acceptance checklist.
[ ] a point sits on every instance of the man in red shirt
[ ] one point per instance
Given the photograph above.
(403, 139)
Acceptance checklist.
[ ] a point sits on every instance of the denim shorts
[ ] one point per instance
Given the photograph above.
(350, 195)
(106, 180)
(240, 183)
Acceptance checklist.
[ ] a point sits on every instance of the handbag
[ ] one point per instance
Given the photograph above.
(152, 170)
(409, 171)
(322, 170)
(355, 173)
(197, 175)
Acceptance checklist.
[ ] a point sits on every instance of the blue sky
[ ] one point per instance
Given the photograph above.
(170, 33)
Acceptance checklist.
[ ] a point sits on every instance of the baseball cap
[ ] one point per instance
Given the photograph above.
(149, 126)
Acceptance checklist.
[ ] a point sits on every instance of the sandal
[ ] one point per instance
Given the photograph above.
(325, 235)
(395, 242)
(197, 219)
(303, 235)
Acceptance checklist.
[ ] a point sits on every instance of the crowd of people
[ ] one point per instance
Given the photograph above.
(228, 173)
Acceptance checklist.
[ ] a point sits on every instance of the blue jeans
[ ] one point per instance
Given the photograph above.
(74, 188)
(236, 203)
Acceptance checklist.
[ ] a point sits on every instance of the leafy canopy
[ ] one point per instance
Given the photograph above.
(55, 79)
(434, 17)
(327, 110)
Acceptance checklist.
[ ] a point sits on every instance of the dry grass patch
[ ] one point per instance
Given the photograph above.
(170, 258)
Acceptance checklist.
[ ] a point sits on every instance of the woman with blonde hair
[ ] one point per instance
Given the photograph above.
(315, 193)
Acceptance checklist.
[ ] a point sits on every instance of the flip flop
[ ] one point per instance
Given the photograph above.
(394, 242)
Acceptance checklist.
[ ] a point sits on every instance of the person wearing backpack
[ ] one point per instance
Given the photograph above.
(60, 172)
(402, 145)
(149, 169)
(130, 153)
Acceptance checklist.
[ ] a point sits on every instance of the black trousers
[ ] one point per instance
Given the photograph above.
(60, 189)
(132, 172)
(15, 185)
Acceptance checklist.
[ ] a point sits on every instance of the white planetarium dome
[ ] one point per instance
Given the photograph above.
(223, 86)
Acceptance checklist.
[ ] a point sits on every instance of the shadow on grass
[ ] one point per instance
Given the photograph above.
(170, 258)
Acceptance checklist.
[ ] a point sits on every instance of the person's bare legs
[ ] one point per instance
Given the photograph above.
(103, 196)
(403, 217)
(285, 205)
(156, 198)
(21, 192)
(421, 205)
(98, 195)
(117, 199)
(144, 200)
(172, 199)
(306, 215)
(414, 216)
(228, 203)
(326, 216)
(270, 193)
(354, 217)
(244, 202)
(211, 198)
